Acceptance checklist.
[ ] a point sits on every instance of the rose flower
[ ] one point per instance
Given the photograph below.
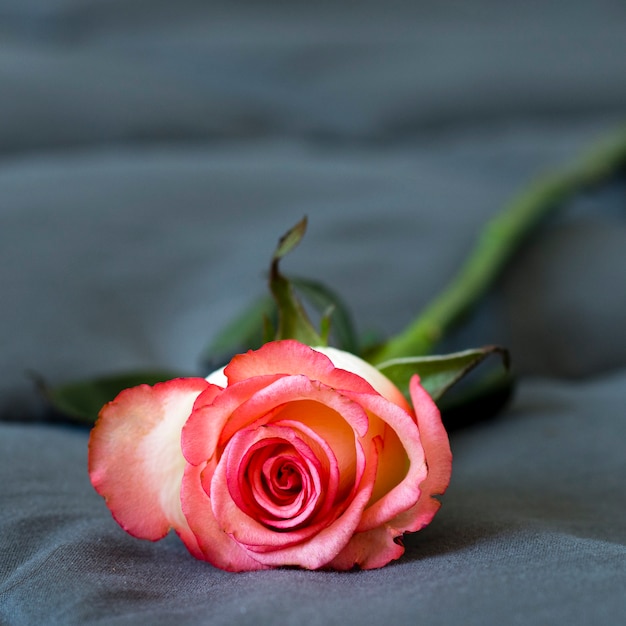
(288, 456)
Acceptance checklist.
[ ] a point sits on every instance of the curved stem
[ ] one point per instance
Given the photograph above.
(498, 242)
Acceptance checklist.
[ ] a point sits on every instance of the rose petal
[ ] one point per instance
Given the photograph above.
(438, 458)
(248, 530)
(352, 363)
(411, 467)
(135, 460)
(290, 389)
(211, 412)
(376, 547)
(214, 544)
(294, 358)
(433, 436)
(369, 550)
(328, 459)
(285, 499)
(218, 378)
(393, 463)
(278, 357)
(329, 541)
(241, 477)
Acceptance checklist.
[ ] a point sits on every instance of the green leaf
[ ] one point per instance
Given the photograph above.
(293, 322)
(290, 240)
(81, 401)
(438, 373)
(284, 310)
(327, 302)
(255, 325)
(477, 401)
(325, 326)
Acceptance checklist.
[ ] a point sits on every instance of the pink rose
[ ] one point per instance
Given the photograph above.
(289, 456)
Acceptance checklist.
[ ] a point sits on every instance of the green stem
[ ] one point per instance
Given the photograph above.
(500, 239)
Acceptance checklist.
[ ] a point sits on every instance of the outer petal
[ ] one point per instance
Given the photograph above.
(438, 458)
(215, 545)
(135, 459)
(369, 550)
(294, 358)
(211, 412)
(218, 378)
(377, 546)
(222, 550)
(351, 363)
(278, 357)
(244, 402)
(289, 389)
(404, 494)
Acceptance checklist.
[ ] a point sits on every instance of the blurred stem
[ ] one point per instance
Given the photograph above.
(500, 239)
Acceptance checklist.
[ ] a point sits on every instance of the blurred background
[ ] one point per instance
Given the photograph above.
(152, 152)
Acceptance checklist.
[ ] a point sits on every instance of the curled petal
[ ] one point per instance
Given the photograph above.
(279, 357)
(434, 438)
(323, 546)
(294, 358)
(409, 466)
(248, 529)
(438, 458)
(325, 454)
(274, 477)
(214, 545)
(377, 546)
(286, 391)
(258, 400)
(347, 361)
(369, 550)
(211, 412)
(135, 460)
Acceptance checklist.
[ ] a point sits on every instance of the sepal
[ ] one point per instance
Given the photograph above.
(438, 372)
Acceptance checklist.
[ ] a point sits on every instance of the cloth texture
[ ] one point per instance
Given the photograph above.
(151, 154)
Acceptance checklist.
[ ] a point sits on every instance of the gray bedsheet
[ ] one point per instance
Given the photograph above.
(151, 153)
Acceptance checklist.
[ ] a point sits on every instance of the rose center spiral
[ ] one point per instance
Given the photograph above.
(279, 482)
(287, 479)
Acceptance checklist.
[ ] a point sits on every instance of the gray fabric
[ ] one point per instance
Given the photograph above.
(151, 155)
(531, 531)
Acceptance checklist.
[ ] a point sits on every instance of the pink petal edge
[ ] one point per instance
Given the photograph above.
(323, 547)
(438, 458)
(215, 546)
(406, 493)
(135, 460)
(376, 547)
